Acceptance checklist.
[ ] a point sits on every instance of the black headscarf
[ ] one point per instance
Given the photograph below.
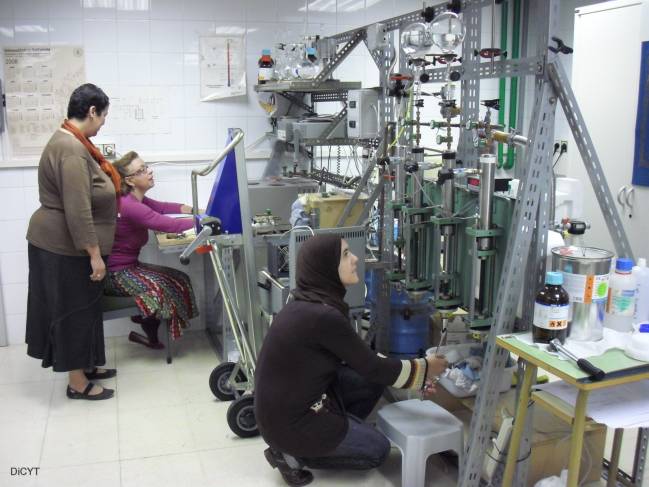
(317, 273)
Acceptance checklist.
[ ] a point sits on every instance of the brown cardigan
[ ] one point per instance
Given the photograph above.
(78, 205)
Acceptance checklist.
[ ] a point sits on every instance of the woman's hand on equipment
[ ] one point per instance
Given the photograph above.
(98, 268)
(436, 367)
(429, 388)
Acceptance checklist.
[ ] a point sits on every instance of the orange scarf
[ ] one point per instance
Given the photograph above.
(106, 166)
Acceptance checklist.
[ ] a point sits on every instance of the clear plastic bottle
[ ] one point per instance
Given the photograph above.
(309, 66)
(641, 274)
(289, 69)
(266, 70)
(280, 61)
(551, 310)
(621, 297)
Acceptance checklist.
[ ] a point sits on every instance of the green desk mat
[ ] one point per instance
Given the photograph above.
(615, 363)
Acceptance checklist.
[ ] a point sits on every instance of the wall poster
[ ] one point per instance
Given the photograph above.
(38, 84)
(222, 61)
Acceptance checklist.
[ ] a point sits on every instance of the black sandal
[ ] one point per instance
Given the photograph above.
(292, 476)
(105, 374)
(105, 394)
(142, 340)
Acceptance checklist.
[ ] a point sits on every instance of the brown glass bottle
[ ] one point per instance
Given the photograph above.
(551, 310)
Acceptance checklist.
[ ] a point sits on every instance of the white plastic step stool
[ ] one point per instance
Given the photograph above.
(420, 429)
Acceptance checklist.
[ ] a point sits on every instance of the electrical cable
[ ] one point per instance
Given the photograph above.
(425, 195)
(407, 118)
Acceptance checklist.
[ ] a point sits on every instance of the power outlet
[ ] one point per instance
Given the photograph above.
(107, 150)
(563, 147)
(498, 452)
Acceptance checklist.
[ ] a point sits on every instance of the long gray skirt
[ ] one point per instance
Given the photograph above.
(64, 318)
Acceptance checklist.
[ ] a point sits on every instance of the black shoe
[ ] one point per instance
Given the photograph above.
(292, 476)
(105, 374)
(150, 325)
(105, 394)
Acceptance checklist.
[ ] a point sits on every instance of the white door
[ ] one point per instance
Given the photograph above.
(605, 78)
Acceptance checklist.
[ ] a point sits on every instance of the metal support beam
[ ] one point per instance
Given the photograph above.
(340, 56)
(370, 201)
(296, 101)
(470, 88)
(640, 459)
(537, 258)
(256, 329)
(501, 69)
(588, 154)
(523, 222)
(334, 123)
(359, 189)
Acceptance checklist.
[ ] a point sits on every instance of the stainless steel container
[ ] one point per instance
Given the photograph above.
(586, 272)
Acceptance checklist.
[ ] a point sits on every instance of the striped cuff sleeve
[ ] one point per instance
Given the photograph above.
(413, 374)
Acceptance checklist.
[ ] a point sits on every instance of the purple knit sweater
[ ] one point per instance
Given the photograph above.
(134, 220)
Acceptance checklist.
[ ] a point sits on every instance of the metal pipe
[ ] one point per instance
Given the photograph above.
(238, 327)
(448, 188)
(209, 168)
(509, 138)
(487, 185)
(614, 464)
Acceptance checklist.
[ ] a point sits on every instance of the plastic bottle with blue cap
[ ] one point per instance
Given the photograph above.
(641, 274)
(309, 66)
(621, 297)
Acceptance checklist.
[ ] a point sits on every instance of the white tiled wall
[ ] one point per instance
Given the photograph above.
(155, 43)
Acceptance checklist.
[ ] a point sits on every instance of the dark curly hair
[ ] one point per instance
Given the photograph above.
(84, 97)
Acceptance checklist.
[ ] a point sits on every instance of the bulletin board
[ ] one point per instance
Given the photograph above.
(222, 66)
(39, 82)
(641, 156)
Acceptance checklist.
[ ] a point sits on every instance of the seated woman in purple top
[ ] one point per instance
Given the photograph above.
(160, 292)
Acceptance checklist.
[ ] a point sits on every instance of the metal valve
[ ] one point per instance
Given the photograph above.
(561, 47)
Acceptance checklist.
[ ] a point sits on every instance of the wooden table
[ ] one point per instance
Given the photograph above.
(173, 245)
(619, 369)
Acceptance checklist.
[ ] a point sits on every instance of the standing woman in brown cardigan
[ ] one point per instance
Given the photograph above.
(70, 236)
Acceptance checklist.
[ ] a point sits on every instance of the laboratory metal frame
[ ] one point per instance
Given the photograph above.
(526, 249)
(525, 255)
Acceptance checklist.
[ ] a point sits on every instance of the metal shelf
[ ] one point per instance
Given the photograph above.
(307, 86)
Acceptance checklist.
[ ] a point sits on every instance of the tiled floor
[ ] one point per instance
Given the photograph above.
(164, 428)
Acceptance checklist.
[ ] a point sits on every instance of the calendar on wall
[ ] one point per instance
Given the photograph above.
(38, 83)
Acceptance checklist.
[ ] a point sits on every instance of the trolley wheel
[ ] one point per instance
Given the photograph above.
(219, 381)
(241, 417)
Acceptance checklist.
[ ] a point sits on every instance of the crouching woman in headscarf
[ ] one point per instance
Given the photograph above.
(316, 380)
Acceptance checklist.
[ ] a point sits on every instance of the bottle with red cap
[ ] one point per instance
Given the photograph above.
(266, 70)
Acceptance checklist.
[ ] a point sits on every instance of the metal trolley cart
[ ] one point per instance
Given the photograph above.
(225, 231)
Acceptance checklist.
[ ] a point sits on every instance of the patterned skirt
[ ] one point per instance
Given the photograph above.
(162, 292)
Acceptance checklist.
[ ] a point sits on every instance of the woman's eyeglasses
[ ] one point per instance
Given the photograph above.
(144, 169)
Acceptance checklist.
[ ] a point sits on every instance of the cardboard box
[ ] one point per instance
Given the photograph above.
(331, 207)
(551, 444)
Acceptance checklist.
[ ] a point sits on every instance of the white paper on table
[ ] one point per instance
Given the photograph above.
(624, 406)
(612, 339)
